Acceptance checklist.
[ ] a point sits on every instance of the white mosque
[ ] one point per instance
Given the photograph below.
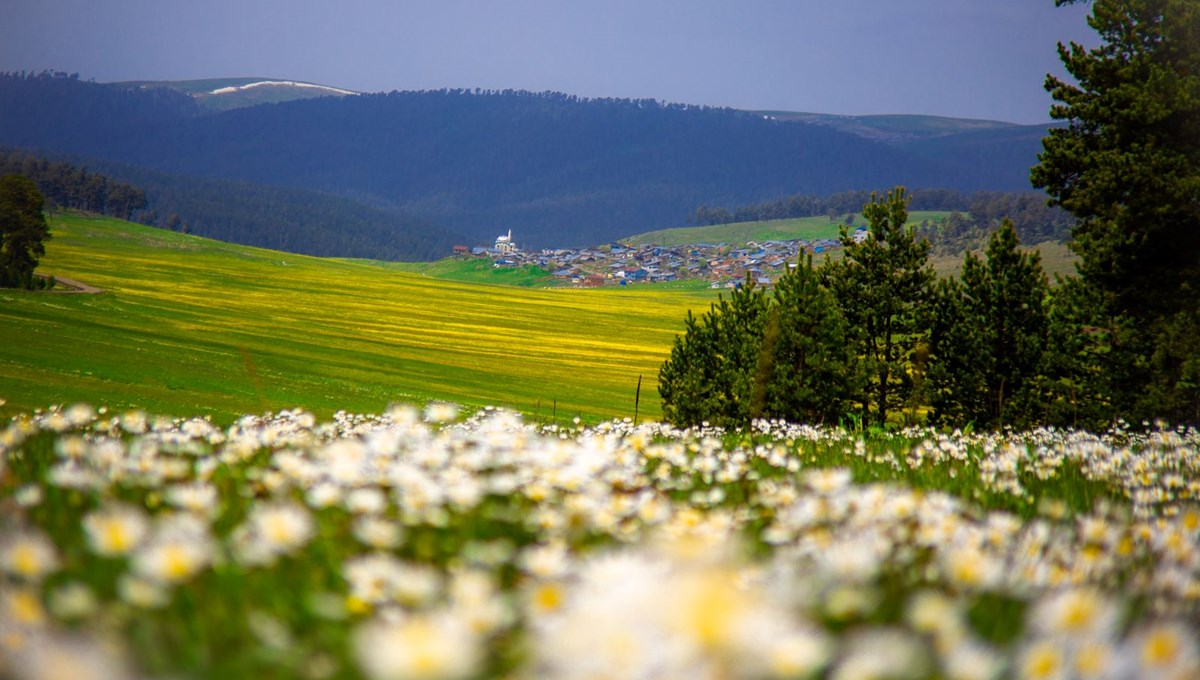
(504, 244)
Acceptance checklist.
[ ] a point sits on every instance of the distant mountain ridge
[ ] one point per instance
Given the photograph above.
(558, 170)
(223, 94)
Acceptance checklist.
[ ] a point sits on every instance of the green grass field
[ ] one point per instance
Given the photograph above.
(1057, 260)
(477, 270)
(192, 325)
(737, 233)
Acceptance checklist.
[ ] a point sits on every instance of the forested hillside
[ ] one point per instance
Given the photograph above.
(66, 185)
(294, 220)
(557, 169)
(283, 218)
(973, 217)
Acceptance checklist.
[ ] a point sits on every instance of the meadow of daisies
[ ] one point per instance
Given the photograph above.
(429, 543)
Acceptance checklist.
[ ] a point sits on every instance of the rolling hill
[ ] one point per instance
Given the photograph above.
(193, 325)
(557, 169)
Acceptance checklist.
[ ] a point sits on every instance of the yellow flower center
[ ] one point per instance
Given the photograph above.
(116, 537)
(547, 598)
(25, 560)
(177, 563)
(1161, 648)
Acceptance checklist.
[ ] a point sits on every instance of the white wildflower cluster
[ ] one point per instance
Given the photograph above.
(422, 544)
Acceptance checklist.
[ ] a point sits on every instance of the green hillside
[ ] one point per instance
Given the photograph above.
(192, 325)
(738, 233)
(477, 270)
(891, 126)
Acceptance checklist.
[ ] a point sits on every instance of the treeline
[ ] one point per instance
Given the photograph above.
(560, 170)
(292, 220)
(875, 337)
(834, 206)
(973, 215)
(297, 221)
(66, 185)
(280, 218)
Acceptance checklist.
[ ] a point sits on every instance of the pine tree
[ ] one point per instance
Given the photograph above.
(23, 231)
(687, 380)
(813, 372)
(1128, 166)
(1128, 162)
(883, 286)
(710, 374)
(988, 335)
(957, 381)
(1077, 375)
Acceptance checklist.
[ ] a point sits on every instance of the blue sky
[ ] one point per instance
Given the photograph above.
(963, 58)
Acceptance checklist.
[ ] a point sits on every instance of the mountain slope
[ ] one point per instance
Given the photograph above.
(224, 94)
(891, 128)
(284, 218)
(557, 169)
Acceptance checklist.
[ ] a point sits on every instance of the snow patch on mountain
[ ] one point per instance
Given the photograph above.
(279, 83)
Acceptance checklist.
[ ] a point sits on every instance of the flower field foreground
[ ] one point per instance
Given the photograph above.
(420, 545)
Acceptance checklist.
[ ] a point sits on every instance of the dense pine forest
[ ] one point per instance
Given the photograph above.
(65, 185)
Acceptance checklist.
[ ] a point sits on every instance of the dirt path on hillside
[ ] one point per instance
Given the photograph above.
(76, 287)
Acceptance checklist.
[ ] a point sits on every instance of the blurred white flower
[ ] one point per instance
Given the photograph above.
(440, 412)
(284, 527)
(435, 645)
(179, 547)
(1081, 614)
(73, 600)
(377, 532)
(28, 554)
(116, 530)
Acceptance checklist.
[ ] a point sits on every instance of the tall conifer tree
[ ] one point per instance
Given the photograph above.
(710, 374)
(988, 335)
(23, 231)
(813, 376)
(1128, 166)
(883, 286)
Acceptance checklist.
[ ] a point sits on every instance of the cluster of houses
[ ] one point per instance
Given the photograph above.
(622, 264)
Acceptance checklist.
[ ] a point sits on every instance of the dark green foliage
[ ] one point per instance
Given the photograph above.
(883, 286)
(710, 374)
(988, 334)
(1175, 364)
(957, 384)
(1035, 222)
(1075, 384)
(758, 356)
(23, 230)
(835, 205)
(813, 376)
(1128, 166)
(292, 220)
(65, 185)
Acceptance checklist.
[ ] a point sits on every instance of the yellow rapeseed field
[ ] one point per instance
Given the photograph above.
(188, 324)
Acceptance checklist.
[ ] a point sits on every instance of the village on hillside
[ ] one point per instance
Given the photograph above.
(621, 264)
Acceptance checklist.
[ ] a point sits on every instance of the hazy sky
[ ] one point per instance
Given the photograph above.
(966, 58)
